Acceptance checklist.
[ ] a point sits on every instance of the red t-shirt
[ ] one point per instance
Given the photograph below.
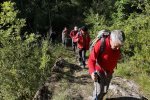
(73, 34)
(83, 41)
(107, 60)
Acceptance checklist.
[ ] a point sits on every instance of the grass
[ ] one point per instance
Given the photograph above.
(61, 92)
(138, 74)
(144, 81)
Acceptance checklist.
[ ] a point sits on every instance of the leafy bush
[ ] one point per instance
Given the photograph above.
(24, 64)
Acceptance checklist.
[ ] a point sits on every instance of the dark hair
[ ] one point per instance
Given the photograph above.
(84, 28)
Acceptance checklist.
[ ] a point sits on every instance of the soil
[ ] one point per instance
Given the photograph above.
(75, 83)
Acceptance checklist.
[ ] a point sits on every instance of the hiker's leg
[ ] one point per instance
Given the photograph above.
(105, 81)
(65, 42)
(108, 79)
(83, 57)
(98, 92)
(62, 40)
(77, 54)
(75, 45)
(72, 44)
(80, 55)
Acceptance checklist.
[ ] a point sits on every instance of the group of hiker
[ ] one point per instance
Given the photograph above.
(80, 42)
(104, 55)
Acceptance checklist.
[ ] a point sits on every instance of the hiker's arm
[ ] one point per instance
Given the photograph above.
(71, 34)
(93, 57)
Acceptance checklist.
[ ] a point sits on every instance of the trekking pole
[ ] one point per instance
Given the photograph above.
(95, 73)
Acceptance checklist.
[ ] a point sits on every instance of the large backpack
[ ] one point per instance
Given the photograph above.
(102, 35)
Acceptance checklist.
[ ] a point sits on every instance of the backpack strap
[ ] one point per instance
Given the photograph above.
(102, 46)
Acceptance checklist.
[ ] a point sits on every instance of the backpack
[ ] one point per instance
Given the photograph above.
(102, 35)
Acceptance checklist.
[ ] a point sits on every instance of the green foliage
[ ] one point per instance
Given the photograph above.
(103, 7)
(45, 56)
(96, 21)
(136, 26)
(137, 42)
(126, 7)
(24, 65)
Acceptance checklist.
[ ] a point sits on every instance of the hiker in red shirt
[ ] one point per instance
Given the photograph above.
(83, 40)
(72, 35)
(101, 65)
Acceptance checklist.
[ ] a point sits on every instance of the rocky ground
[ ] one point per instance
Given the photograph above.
(71, 82)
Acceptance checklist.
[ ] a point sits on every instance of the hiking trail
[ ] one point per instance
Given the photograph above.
(68, 81)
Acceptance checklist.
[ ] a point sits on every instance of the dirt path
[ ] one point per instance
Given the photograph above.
(70, 82)
(120, 88)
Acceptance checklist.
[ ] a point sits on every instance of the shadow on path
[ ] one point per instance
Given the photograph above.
(127, 98)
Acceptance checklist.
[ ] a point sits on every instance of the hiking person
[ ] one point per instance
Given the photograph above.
(83, 41)
(72, 35)
(53, 36)
(102, 63)
(64, 36)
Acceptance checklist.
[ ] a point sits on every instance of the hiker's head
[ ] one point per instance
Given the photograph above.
(75, 28)
(65, 28)
(84, 29)
(117, 38)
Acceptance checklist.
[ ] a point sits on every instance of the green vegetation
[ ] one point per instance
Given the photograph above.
(136, 62)
(24, 65)
(26, 58)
